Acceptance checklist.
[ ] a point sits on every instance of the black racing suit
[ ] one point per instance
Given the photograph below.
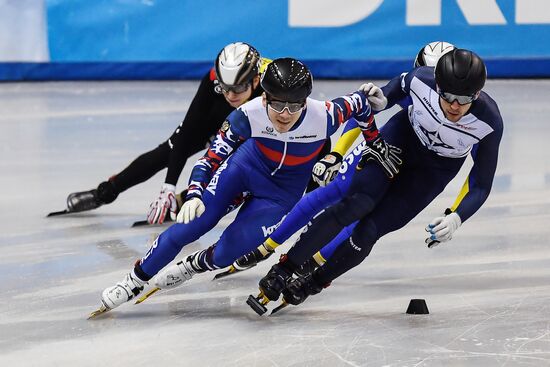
(203, 119)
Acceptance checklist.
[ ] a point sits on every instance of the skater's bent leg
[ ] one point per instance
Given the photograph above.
(327, 251)
(309, 205)
(350, 253)
(328, 224)
(142, 168)
(169, 243)
(256, 220)
(398, 207)
(251, 226)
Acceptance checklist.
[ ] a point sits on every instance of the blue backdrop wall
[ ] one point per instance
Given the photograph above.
(178, 39)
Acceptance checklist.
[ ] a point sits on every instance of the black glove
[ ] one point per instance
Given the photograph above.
(385, 154)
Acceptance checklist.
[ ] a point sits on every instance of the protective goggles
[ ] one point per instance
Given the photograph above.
(237, 89)
(279, 106)
(462, 100)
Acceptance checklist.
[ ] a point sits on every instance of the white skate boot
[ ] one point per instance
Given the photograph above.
(175, 275)
(123, 291)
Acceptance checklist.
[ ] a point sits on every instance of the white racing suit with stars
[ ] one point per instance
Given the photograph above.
(433, 150)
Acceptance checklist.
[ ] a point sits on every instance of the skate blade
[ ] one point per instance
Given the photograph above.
(147, 295)
(101, 310)
(223, 274)
(279, 308)
(55, 214)
(140, 223)
(258, 303)
(144, 223)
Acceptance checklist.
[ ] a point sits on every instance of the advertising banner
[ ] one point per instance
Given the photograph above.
(178, 39)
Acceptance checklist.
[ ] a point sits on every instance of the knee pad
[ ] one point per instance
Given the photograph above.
(106, 192)
(352, 208)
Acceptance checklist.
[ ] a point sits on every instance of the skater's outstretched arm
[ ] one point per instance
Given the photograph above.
(234, 131)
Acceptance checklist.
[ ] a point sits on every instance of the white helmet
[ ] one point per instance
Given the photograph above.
(430, 54)
(237, 63)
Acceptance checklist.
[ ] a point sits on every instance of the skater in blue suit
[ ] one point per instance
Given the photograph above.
(266, 148)
(335, 167)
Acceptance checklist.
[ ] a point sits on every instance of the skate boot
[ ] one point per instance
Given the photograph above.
(175, 275)
(248, 260)
(92, 199)
(300, 288)
(122, 292)
(271, 286)
(275, 281)
(309, 266)
(82, 201)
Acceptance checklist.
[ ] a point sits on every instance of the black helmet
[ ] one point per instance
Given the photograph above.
(460, 72)
(430, 54)
(287, 79)
(237, 63)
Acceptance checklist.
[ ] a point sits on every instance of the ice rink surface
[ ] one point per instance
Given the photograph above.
(488, 290)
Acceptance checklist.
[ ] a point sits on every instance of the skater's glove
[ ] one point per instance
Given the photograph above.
(376, 97)
(165, 203)
(191, 209)
(327, 168)
(388, 156)
(441, 229)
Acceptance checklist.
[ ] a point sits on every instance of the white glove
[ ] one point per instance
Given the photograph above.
(327, 168)
(441, 229)
(165, 203)
(376, 97)
(191, 209)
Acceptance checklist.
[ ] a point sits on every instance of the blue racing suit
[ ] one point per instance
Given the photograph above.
(249, 155)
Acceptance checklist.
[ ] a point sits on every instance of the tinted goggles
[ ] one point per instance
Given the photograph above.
(237, 89)
(462, 100)
(279, 106)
